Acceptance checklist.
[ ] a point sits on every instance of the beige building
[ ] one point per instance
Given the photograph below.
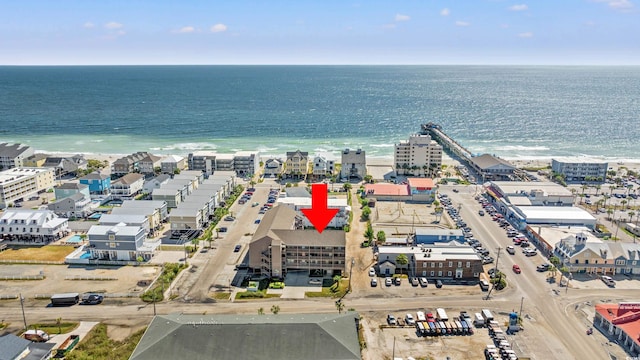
(354, 164)
(280, 245)
(297, 164)
(419, 156)
(21, 183)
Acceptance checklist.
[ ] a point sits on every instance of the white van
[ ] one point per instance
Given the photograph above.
(478, 320)
(608, 280)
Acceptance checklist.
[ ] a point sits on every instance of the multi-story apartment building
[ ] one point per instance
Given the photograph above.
(297, 164)
(280, 245)
(443, 261)
(120, 242)
(304, 202)
(99, 184)
(33, 225)
(419, 156)
(77, 205)
(273, 167)
(141, 162)
(324, 165)
(354, 164)
(172, 163)
(576, 170)
(71, 188)
(127, 186)
(21, 183)
(246, 163)
(582, 253)
(13, 156)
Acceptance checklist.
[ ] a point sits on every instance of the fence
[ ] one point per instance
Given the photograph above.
(40, 262)
(91, 278)
(24, 277)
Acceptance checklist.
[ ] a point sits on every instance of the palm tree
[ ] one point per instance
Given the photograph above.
(369, 234)
(339, 306)
(275, 309)
(609, 212)
(59, 323)
(402, 260)
(381, 237)
(624, 203)
(598, 189)
(261, 311)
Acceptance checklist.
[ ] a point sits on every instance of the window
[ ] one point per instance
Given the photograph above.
(448, 273)
(468, 264)
(459, 264)
(424, 264)
(450, 263)
(432, 273)
(439, 273)
(112, 245)
(634, 263)
(433, 264)
(620, 262)
(476, 275)
(440, 265)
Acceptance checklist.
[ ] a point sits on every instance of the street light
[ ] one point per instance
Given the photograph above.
(24, 318)
(353, 261)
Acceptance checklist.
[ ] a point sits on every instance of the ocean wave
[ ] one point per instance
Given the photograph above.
(521, 148)
(382, 145)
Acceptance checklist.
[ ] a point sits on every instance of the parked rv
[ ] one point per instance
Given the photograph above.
(66, 299)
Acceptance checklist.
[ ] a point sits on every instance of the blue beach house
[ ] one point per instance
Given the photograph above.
(99, 184)
(432, 236)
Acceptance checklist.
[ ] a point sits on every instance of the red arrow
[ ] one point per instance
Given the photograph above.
(319, 215)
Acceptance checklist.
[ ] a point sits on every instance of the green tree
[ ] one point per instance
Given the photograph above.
(366, 213)
(554, 260)
(339, 306)
(381, 237)
(176, 171)
(402, 260)
(261, 311)
(336, 280)
(368, 233)
(347, 186)
(552, 271)
(368, 178)
(275, 309)
(59, 323)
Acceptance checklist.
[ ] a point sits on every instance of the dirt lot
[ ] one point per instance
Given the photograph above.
(398, 218)
(38, 253)
(56, 279)
(380, 342)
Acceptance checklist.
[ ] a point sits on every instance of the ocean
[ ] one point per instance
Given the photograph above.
(516, 112)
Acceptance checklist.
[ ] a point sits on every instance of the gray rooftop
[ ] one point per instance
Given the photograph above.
(13, 150)
(94, 176)
(486, 161)
(72, 186)
(250, 337)
(12, 346)
(129, 179)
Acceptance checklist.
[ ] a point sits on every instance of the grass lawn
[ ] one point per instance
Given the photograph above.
(40, 253)
(220, 295)
(330, 291)
(52, 328)
(97, 345)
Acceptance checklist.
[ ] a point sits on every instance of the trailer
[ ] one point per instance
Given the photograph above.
(442, 315)
(461, 328)
(36, 335)
(469, 326)
(66, 299)
(432, 328)
(486, 314)
(67, 345)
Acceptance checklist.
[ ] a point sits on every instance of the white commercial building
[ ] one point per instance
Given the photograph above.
(576, 169)
(419, 156)
(552, 215)
(21, 183)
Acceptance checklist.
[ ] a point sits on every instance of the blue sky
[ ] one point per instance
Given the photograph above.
(581, 32)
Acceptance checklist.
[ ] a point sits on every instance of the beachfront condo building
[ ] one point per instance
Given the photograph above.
(127, 187)
(273, 167)
(119, 243)
(140, 162)
(172, 164)
(22, 183)
(419, 156)
(297, 164)
(280, 245)
(99, 184)
(13, 156)
(324, 165)
(354, 164)
(244, 163)
(576, 170)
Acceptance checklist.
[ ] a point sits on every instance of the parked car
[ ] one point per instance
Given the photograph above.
(222, 229)
(516, 269)
(398, 280)
(229, 218)
(511, 250)
(391, 320)
(374, 282)
(257, 221)
(409, 319)
(608, 280)
(438, 284)
(423, 282)
(237, 248)
(372, 272)
(481, 212)
(388, 281)
(414, 281)
(92, 299)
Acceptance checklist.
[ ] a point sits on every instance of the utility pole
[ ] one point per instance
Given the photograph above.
(495, 269)
(24, 318)
(520, 313)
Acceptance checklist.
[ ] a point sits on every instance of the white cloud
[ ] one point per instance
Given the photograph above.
(621, 5)
(89, 25)
(218, 28)
(462, 23)
(400, 17)
(527, 34)
(113, 25)
(521, 7)
(445, 12)
(185, 30)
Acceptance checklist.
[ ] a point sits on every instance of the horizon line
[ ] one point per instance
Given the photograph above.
(326, 64)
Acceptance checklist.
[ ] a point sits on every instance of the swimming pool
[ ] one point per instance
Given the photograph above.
(86, 255)
(74, 239)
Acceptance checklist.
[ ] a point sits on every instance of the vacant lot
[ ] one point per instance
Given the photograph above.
(39, 253)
